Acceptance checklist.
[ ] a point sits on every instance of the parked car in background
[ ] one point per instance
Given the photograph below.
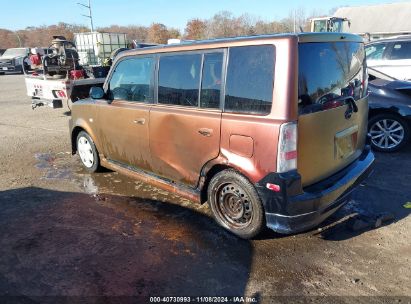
(391, 56)
(390, 111)
(14, 60)
(269, 130)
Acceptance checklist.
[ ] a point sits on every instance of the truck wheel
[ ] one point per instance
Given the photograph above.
(88, 152)
(235, 204)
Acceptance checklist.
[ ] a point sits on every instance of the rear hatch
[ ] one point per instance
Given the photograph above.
(332, 105)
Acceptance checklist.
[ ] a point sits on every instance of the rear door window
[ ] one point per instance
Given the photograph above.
(330, 73)
(400, 50)
(250, 79)
(179, 80)
(211, 80)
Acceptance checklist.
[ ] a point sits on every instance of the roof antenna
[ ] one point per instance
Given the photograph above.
(301, 29)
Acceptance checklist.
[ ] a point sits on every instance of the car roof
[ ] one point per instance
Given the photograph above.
(301, 37)
(391, 39)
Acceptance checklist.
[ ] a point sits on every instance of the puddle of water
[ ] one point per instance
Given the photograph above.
(45, 160)
(64, 166)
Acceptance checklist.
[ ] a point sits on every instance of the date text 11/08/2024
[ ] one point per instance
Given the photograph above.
(203, 300)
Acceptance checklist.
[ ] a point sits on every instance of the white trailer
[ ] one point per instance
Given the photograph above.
(46, 91)
(53, 89)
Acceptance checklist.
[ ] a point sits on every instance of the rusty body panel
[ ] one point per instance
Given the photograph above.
(182, 140)
(264, 134)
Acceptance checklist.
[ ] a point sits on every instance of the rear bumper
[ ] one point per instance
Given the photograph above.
(295, 209)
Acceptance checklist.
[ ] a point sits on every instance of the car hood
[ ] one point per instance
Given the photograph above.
(394, 85)
(399, 84)
(9, 57)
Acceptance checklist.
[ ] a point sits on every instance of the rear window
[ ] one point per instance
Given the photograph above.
(329, 74)
(401, 50)
(250, 80)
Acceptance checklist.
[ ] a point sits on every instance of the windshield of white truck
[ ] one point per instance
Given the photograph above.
(15, 52)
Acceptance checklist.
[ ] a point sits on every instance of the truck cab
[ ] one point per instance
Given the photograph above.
(328, 24)
(13, 60)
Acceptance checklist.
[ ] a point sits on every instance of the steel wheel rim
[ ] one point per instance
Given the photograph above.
(85, 151)
(233, 205)
(387, 133)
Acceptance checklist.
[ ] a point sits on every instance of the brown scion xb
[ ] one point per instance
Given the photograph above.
(269, 130)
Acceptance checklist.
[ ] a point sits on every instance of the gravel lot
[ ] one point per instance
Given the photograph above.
(64, 232)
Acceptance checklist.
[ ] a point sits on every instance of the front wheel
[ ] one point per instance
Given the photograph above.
(235, 204)
(88, 152)
(389, 132)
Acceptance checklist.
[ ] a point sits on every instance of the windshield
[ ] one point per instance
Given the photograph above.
(329, 74)
(320, 26)
(15, 52)
(336, 26)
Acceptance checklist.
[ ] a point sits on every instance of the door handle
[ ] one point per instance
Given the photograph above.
(205, 132)
(140, 121)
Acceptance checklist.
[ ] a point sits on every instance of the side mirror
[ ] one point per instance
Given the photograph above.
(96, 93)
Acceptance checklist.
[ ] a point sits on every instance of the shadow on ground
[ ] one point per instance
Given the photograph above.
(73, 244)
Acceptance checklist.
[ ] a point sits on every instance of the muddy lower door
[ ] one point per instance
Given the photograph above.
(182, 141)
(333, 107)
(124, 133)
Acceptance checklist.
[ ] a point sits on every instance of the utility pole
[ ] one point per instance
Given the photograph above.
(295, 20)
(89, 14)
(18, 37)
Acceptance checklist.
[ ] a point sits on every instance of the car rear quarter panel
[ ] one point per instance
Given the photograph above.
(259, 134)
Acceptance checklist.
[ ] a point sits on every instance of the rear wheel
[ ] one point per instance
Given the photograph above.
(88, 152)
(389, 132)
(235, 204)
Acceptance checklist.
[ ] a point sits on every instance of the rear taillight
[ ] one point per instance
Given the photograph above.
(287, 148)
(365, 81)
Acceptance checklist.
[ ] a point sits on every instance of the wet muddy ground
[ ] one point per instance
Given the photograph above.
(65, 232)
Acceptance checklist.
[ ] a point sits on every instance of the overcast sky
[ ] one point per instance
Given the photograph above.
(19, 14)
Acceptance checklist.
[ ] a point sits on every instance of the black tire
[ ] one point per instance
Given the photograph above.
(93, 166)
(235, 204)
(402, 135)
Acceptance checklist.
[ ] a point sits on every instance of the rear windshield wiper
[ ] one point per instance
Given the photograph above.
(352, 105)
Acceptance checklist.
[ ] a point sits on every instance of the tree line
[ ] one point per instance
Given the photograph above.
(222, 24)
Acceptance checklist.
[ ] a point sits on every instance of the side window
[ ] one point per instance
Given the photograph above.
(132, 80)
(179, 80)
(375, 51)
(211, 80)
(401, 50)
(250, 79)
(320, 25)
